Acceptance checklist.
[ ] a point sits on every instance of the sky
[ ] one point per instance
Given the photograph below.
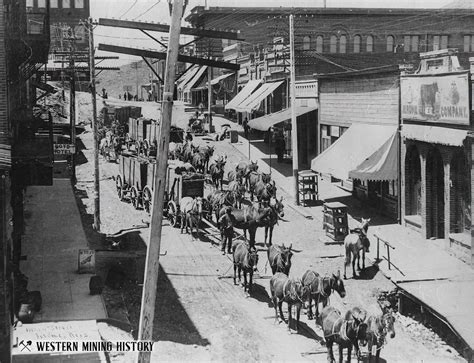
(157, 11)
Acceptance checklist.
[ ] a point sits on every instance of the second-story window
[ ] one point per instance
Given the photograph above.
(29, 3)
(414, 43)
(306, 42)
(469, 43)
(342, 44)
(333, 44)
(79, 4)
(66, 4)
(390, 43)
(319, 44)
(444, 42)
(53, 4)
(357, 44)
(41, 3)
(370, 44)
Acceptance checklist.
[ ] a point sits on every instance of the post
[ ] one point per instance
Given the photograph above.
(94, 126)
(294, 126)
(209, 95)
(72, 111)
(147, 312)
(270, 133)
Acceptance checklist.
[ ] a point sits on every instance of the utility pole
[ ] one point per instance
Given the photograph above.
(294, 126)
(90, 28)
(72, 111)
(209, 96)
(147, 312)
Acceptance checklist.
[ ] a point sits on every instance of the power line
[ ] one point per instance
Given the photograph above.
(146, 11)
(130, 8)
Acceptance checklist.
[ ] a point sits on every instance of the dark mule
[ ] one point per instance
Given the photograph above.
(217, 200)
(255, 179)
(234, 175)
(246, 260)
(264, 191)
(355, 242)
(216, 169)
(279, 258)
(378, 327)
(199, 162)
(320, 288)
(344, 331)
(245, 168)
(291, 291)
(272, 213)
(247, 219)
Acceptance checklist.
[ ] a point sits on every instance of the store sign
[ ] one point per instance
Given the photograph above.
(437, 99)
(64, 149)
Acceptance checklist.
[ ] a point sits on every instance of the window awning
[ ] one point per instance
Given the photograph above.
(243, 94)
(5, 156)
(252, 102)
(434, 134)
(381, 165)
(195, 79)
(356, 145)
(187, 77)
(265, 122)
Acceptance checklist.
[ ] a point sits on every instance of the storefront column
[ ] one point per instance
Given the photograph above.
(424, 219)
(402, 176)
(472, 200)
(447, 198)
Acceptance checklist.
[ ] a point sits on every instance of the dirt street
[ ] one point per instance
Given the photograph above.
(201, 316)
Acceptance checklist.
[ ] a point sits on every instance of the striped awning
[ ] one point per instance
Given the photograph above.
(243, 94)
(5, 156)
(252, 102)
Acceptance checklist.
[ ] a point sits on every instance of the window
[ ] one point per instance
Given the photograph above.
(66, 4)
(41, 3)
(357, 44)
(333, 44)
(53, 4)
(414, 43)
(406, 43)
(444, 41)
(342, 44)
(390, 43)
(79, 4)
(469, 43)
(436, 42)
(325, 137)
(306, 42)
(319, 44)
(29, 3)
(370, 44)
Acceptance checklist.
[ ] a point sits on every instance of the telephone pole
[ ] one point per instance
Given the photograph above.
(90, 28)
(294, 125)
(72, 111)
(147, 313)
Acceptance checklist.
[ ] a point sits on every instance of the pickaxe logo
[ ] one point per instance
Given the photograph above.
(25, 345)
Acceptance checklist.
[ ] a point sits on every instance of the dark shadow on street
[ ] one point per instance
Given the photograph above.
(259, 293)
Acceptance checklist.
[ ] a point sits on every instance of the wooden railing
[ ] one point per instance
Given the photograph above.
(388, 246)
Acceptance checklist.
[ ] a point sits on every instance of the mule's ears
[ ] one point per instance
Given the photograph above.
(291, 245)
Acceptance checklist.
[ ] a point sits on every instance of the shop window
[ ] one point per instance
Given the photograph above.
(370, 44)
(53, 4)
(357, 44)
(342, 44)
(306, 42)
(333, 44)
(319, 44)
(390, 43)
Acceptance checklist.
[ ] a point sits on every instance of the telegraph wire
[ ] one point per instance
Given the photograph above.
(130, 8)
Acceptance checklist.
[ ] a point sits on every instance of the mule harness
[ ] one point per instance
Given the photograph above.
(342, 331)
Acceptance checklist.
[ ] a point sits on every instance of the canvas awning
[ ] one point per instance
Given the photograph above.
(243, 94)
(195, 79)
(381, 165)
(265, 122)
(352, 149)
(181, 83)
(434, 134)
(253, 101)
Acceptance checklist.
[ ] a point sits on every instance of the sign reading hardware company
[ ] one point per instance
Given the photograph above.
(437, 99)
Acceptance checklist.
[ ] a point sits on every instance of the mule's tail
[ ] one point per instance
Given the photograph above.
(348, 255)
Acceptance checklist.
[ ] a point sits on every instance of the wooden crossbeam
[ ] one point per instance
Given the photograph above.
(164, 28)
(161, 55)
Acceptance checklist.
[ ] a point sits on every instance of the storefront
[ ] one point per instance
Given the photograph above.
(358, 135)
(436, 153)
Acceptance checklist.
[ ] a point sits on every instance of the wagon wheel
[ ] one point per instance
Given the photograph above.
(146, 198)
(119, 186)
(134, 197)
(172, 213)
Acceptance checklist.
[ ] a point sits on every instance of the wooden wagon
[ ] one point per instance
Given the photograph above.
(135, 180)
(179, 186)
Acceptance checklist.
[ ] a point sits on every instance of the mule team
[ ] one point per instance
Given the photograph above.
(347, 330)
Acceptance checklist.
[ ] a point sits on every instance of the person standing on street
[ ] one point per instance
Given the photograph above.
(245, 124)
(280, 146)
(226, 223)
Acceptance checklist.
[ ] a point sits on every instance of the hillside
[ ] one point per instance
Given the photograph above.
(131, 75)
